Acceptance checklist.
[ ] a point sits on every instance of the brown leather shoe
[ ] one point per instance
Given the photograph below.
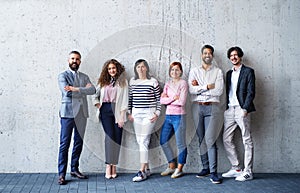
(79, 175)
(61, 180)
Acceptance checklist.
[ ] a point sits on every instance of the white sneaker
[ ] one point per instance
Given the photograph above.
(177, 174)
(244, 177)
(232, 174)
(140, 176)
(168, 171)
(148, 173)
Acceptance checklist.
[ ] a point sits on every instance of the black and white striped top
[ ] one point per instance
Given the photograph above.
(144, 94)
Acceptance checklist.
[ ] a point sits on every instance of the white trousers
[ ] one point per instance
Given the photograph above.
(143, 128)
(233, 117)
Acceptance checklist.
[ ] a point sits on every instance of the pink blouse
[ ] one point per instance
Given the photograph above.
(171, 89)
(110, 94)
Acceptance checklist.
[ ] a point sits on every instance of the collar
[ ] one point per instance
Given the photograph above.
(237, 70)
(209, 67)
(73, 72)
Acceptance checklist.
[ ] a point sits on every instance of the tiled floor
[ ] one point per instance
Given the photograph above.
(268, 183)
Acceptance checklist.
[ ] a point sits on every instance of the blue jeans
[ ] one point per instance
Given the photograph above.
(207, 136)
(77, 124)
(174, 124)
(113, 133)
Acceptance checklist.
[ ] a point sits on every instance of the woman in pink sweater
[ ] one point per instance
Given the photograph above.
(174, 97)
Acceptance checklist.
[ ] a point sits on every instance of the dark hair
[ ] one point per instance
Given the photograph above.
(75, 52)
(136, 75)
(175, 64)
(105, 78)
(237, 49)
(208, 47)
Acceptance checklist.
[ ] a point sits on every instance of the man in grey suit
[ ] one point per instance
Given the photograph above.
(74, 87)
(240, 93)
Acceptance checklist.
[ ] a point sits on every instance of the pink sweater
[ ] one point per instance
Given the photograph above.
(175, 107)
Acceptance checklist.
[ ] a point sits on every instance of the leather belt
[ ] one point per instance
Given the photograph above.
(205, 103)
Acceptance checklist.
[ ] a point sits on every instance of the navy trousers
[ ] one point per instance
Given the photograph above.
(113, 133)
(77, 124)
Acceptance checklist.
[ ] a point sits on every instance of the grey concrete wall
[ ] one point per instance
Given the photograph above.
(36, 36)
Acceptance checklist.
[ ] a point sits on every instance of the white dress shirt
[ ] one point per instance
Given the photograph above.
(204, 77)
(233, 101)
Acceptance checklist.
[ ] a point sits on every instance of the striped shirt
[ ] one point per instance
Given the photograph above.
(144, 94)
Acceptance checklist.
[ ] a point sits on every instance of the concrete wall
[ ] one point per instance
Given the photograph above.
(36, 36)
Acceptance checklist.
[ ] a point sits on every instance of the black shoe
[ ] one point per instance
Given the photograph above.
(214, 178)
(61, 180)
(203, 173)
(79, 175)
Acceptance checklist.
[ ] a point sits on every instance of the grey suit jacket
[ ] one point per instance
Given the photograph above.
(72, 101)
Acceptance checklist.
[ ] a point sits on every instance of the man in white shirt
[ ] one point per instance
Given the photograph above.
(206, 86)
(240, 92)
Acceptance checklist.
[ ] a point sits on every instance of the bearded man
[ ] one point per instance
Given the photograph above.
(74, 87)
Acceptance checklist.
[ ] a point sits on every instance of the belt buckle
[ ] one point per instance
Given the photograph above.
(206, 103)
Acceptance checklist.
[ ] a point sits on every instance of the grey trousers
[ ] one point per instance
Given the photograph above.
(208, 121)
(233, 117)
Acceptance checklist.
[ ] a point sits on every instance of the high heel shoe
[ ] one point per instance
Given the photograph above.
(114, 171)
(108, 171)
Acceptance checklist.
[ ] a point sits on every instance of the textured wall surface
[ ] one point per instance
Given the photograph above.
(36, 36)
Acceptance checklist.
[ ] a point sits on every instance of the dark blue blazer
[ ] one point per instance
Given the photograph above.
(245, 88)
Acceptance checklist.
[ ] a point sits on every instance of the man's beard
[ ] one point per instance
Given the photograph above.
(74, 67)
(207, 61)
